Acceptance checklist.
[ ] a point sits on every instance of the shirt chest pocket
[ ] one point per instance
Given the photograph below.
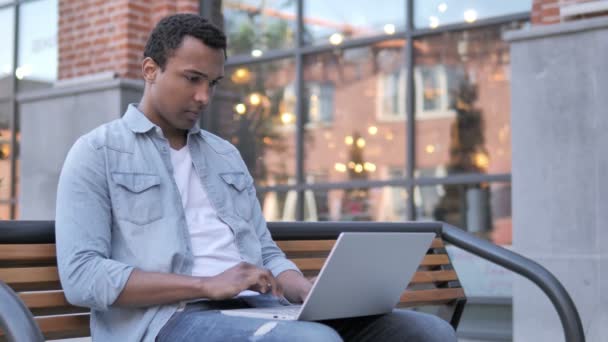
(241, 193)
(137, 197)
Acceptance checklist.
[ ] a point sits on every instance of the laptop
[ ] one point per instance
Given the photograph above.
(364, 274)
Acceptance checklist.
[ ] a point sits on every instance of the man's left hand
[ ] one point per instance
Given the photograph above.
(295, 286)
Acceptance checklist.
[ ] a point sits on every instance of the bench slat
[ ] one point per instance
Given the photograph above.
(47, 299)
(49, 303)
(435, 260)
(55, 327)
(315, 264)
(298, 246)
(420, 297)
(306, 246)
(29, 278)
(28, 253)
(437, 243)
(425, 277)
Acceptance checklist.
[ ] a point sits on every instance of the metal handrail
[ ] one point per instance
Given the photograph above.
(16, 320)
(547, 282)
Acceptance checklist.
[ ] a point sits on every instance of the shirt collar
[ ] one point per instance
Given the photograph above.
(139, 123)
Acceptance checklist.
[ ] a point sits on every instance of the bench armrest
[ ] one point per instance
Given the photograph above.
(16, 321)
(545, 280)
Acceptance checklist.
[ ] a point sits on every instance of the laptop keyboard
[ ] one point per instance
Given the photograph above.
(281, 310)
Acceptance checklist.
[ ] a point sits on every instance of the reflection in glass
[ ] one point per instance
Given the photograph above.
(462, 93)
(37, 65)
(5, 211)
(278, 206)
(482, 209)
(5, 150)
(282, 206)
(332, 22)
(354, 114)
(7, 27)
(386, 204)
(435, 13)
(256, 26)
(254, 109)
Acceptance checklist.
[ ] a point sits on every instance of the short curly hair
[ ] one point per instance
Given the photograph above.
(168, 34)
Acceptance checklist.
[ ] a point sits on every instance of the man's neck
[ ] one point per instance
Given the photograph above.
(176, 137)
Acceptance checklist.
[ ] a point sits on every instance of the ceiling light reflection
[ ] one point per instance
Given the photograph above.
(336, 39)
(470, 16)
(433, 22)
(389, 29)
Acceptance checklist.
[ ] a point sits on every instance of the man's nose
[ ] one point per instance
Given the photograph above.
(203, 94)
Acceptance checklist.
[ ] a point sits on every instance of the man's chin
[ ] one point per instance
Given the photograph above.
(187, 125)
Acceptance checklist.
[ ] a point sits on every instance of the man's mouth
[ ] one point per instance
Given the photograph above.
(193, 114)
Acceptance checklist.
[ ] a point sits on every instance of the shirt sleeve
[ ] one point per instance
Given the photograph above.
(272, 256)
(83, 230)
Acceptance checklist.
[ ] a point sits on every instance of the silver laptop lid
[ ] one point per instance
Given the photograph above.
(365, 274)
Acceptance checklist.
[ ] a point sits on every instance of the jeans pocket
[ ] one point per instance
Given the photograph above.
(137, 197)
(240, 188)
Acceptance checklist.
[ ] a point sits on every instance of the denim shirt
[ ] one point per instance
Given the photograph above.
(118, 208)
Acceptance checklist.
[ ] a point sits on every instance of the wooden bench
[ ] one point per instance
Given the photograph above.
(30, 269)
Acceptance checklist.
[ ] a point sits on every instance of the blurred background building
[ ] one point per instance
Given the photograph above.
(389, 110)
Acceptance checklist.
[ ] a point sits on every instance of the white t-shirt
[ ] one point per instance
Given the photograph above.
(213, 243)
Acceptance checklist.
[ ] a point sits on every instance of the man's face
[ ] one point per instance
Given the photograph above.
(182, 91)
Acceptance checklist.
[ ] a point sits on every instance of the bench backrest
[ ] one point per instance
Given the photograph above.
(31, 271)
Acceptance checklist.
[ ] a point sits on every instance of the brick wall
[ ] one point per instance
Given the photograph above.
(547, 11)
(100, 36)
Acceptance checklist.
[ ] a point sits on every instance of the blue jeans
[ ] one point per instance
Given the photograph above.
(202, 321)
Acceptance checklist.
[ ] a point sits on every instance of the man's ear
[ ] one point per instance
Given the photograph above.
(149, 69)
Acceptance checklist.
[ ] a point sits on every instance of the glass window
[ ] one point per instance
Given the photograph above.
(463, 102)
(365, 204)
(5, 211)
(354, 113)
(388, 204)
(280, 205)
(483, 209)
(7, 27)
(5, 149)
(37, 65)
(256, 26)
(435, 13)
(332, 22)
(254, 108)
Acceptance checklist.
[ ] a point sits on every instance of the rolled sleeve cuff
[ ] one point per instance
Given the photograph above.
(116, 275)
(280, 265)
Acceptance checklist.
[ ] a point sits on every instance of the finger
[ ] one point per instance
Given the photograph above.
(263, 285)
(276, 288)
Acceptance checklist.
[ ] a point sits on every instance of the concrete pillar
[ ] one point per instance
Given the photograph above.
(559, 87)
(51, 120)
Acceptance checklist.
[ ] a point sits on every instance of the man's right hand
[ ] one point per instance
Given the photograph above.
(153, 288)
(241, 277)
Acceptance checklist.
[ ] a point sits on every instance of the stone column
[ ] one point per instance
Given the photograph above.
(51, 121)
(559, 87)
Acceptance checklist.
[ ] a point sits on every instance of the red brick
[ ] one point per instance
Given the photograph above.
(109, 35)
(547, 11)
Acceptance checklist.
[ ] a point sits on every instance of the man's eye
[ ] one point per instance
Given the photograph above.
(193, 79)
(214, 83)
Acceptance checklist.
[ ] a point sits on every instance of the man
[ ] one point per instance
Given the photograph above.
(158, 225)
